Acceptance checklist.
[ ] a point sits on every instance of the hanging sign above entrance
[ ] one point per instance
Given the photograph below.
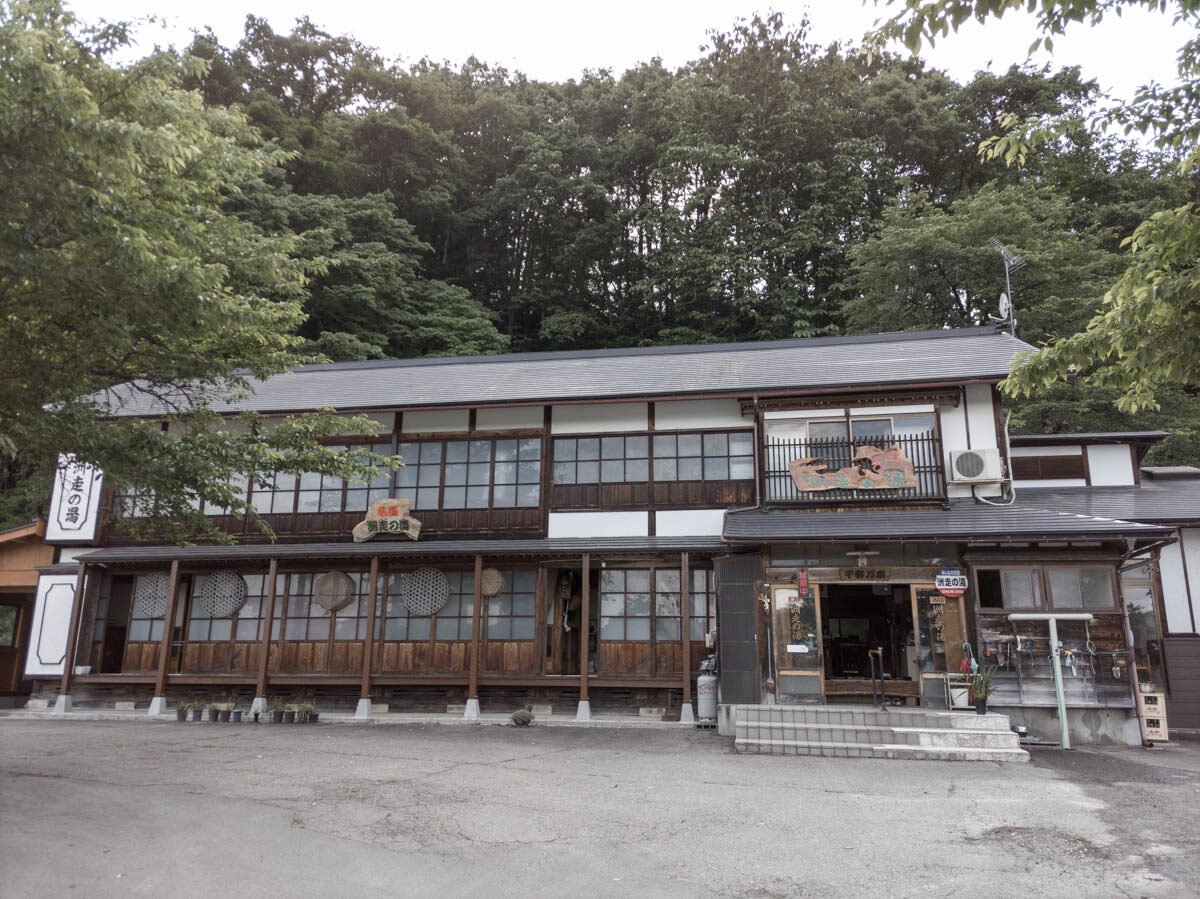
(951, 582)
(387, 516)
(868, 575)
(872, 468)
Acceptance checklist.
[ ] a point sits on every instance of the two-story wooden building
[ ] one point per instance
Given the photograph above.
(594, 524)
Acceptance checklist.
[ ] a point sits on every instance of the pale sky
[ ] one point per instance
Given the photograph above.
(558, 39)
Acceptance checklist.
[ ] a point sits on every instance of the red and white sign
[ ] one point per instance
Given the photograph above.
(951, 582)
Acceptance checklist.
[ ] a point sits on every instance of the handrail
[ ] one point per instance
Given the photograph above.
(876, 656)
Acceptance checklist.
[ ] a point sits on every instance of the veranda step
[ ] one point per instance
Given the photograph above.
(884, 751)
(873, 735)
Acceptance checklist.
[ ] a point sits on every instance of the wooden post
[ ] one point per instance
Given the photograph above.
(264, 645)
(73, 630)
(585, 618)
(473, 685)
(685, 625)
(369, 649)
(164, 650)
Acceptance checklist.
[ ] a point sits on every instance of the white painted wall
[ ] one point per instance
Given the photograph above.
(1191, 552)
(1110, 465)
(686, 414)
(1018, 451)
(424, 421)
(51, 623)
(869, 411)
(689, 522)
(599, 418)
(1175, 593)
(981, 416)
(1053, 482)
(954, 438)
(598, 524)
(511, 419)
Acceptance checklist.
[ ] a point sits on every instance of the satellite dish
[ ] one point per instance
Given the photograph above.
(1005, 306)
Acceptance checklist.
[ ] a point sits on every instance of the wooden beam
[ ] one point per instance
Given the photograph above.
(685, 624)
(473, 683)
(264, 646)
(585, 618)
(73, 629)
(164, 649)
(369, 649)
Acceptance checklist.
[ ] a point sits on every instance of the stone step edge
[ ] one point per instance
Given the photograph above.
(819, 725)
(887, 750)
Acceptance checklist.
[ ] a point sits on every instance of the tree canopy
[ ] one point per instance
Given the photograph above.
(242, 208)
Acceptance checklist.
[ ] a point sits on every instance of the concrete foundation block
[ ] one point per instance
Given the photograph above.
(584, 712)
(126, 706)
(471, 710)
(542, 711)
(62, 705)
(686, 714)
(158, 706)
(651, 711)
(258, 705)
(38, 704)
(364, 709)
(379, 708)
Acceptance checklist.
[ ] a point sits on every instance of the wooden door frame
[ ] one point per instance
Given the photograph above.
(779, 640)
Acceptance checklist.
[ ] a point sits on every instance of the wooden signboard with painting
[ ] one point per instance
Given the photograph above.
(871, 468)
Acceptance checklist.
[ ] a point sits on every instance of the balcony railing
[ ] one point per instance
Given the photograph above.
(841, 475)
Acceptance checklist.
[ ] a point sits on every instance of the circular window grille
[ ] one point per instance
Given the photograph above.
(222, 593)
(426, 591)
(150, 595)
(333, 590)
(492, 582)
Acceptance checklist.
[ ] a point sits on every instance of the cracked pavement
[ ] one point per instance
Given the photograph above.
(114, 809)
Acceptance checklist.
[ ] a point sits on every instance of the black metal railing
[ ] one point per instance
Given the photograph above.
(845, 476)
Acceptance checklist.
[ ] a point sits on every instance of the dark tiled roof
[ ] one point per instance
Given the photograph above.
(876, 360)
(1088, 437)
(1175, 501)
(970, 522)
(565, 546)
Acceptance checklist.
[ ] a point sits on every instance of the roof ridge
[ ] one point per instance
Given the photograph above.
(668, 349)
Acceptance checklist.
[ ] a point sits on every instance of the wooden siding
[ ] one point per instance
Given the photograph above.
(1183, 677)
(658, 495)
(140, 657)
(511, 657)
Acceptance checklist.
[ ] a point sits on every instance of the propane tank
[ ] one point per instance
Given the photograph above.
(706, 694)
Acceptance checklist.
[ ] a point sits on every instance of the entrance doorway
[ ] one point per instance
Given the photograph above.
(857, 618)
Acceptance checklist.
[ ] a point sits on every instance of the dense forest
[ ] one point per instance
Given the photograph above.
(771, 188)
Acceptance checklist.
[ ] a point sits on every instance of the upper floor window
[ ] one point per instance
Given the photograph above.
(471, 474)
(1090, 588)
(859, 429)
(633, 458)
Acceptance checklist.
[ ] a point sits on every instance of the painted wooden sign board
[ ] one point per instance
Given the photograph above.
(872, 468)
(74, 502)
(387, 516)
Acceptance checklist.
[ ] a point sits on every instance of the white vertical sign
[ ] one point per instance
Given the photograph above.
(51, 625)
(75, 502)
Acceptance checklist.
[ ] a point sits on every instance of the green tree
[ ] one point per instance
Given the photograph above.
(119, 265)
(1147, 330)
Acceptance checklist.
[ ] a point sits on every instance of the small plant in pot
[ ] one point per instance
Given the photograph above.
(980, 684)
(181, 712)
(235, 714)
(289, 714)
(196, 707)
(214, 712)
(276, 706)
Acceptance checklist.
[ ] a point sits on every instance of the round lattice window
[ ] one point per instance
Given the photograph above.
(426, 591)
(333, 590)
(150, 595)
(222, 593)
(492, 582)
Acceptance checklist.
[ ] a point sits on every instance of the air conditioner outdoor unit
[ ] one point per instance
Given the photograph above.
(975, 466)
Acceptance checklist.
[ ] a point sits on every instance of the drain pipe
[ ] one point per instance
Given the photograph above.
(1064, 739)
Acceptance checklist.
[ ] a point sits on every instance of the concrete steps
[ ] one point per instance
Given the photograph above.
(865, 732)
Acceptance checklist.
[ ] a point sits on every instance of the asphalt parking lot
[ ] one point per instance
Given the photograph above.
(150, 809)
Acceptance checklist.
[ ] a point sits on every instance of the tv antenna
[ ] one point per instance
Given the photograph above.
(1013, 262)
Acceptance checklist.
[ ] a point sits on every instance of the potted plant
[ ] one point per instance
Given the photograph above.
(235, 714)
(214, 712)
(303, 711)
(980, 683)
(181, 711)
(196, 707)
(289, 714)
